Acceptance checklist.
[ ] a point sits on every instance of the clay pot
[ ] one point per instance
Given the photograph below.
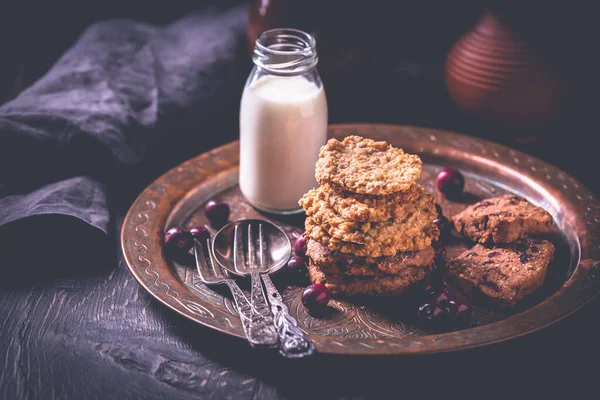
(491, 72)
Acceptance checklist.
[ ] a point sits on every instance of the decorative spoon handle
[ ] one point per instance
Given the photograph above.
(247, 314)
(292, 342)
(261, 323)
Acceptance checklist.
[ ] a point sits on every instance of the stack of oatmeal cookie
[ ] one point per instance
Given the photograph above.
(370, 225)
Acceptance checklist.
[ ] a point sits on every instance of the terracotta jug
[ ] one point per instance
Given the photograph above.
(493, 73)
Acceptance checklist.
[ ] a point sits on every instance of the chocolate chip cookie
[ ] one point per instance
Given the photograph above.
(336, 262)
(365, 166)
(503, 219)
(374, 248)
(504, 274)
(367, 233)
(378, 285)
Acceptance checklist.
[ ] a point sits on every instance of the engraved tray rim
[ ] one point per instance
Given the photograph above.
(143, 225)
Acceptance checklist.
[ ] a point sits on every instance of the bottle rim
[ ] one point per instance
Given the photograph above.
(285, 51)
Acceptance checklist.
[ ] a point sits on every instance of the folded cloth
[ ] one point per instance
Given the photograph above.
(104, 104)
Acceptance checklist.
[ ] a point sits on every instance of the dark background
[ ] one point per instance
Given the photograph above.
(401, 80)
(82, 328)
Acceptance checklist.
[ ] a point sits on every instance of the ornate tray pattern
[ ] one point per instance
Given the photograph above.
(374, 326)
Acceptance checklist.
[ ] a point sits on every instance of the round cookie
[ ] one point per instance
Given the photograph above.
(502, 274)
(336, 262)
(365, 166)
(371, 208)
(391, 247)
(503, 219)
(366, 233)
(379, 285)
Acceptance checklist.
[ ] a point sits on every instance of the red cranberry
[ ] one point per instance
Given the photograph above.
(450, 182)
(200, 233)
(442, 299)
(438, 208)
(178, 242)
(443, 224)
(451, 308)
(438, 313)
(440, 250)
(217, 213)
(315, 296)
(296, 264)
(463, 310)
(425, 312)
(190, 257)
(300, 246)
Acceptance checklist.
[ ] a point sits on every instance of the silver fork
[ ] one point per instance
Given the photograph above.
(214, 274)
(250, 265)
(292, 342)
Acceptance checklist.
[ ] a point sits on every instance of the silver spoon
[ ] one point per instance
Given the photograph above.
(271, 250)
(213, 274)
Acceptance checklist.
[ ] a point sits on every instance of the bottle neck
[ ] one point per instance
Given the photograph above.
(285, 52)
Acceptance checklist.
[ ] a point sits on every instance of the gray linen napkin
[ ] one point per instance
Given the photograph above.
(100, 110)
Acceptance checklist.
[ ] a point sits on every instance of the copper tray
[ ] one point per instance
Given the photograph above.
(378, 326)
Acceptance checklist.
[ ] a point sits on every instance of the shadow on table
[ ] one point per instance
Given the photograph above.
(52, 246)
(539, 361)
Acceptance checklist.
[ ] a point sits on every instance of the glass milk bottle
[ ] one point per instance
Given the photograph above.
(283, 121)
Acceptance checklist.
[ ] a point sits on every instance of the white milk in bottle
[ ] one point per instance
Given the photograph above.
(283, 122)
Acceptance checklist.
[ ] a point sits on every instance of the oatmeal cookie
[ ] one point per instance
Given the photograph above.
(387, 232)
(364, 166)
(418, 241)
(336, 262)
(371, 208)
(503, 219)
(503, 274)
(378, 285)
